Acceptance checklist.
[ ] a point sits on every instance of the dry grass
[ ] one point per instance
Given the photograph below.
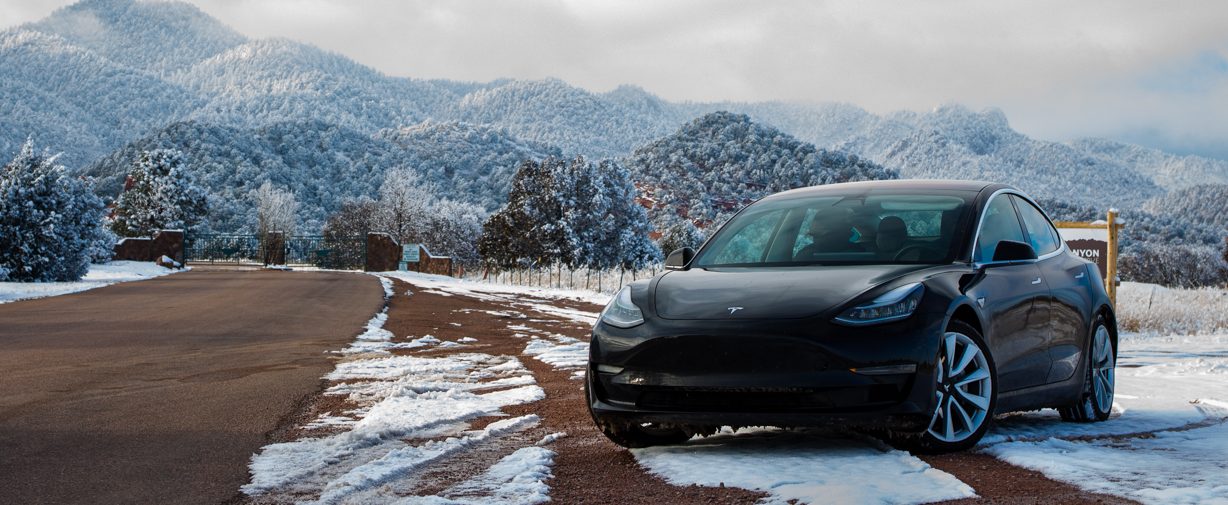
(1148, 308)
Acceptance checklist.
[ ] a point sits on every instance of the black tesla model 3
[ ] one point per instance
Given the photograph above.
(917, 309)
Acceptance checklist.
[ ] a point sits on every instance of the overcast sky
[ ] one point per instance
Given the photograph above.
(1153, 72)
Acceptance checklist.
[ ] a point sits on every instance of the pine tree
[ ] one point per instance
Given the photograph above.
(48, 219)
(679, 233)
(160, 194)
(627, 222)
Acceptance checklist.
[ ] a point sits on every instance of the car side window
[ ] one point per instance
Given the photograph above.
(1041, 235)
(1000, 223)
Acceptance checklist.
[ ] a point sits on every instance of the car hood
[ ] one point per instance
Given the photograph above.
(767, 293)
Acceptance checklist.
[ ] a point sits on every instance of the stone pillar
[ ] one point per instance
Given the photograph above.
(167, 243)
(383, 253)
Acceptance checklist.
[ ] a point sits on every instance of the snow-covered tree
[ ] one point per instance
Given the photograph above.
(159, 194)
(404, 204)
(355, 218)
(1175, 265)
(626, 222)
(678, 233)
(102, 245)
(454, 229)
(48, 219)
(276, 209)
(571, 213)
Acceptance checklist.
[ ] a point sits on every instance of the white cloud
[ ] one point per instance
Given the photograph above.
(1058, 68)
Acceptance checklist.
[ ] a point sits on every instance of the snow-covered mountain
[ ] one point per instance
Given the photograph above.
(107, 75)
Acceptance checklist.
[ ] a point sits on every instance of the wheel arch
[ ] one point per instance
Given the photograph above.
(966, 314)
(1110, 321)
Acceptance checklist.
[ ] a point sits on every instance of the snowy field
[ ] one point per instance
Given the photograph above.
(1166, 442)
(99, 275)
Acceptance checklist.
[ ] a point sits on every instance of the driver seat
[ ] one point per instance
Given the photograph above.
(892, 233)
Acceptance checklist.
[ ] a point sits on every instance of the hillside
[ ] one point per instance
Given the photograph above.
(719, 162)
(325, 164)
(472, 163)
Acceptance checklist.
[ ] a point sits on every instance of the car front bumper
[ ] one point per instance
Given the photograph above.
(801, 372)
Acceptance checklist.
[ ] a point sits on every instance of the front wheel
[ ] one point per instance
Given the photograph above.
(964, 391)
(1096, 402)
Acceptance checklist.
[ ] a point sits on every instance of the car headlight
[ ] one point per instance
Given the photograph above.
(621, 312)
(893, 305)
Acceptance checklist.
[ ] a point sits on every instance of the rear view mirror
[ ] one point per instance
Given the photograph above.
(679, 259)
(1010, 250)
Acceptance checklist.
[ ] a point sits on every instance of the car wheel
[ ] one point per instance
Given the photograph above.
(965, 389)
(1096, 402)
(635, 435)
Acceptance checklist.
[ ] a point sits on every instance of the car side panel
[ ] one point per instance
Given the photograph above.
(1017, 316)
(1069, 282)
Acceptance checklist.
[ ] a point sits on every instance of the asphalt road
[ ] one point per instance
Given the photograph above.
(159, 391)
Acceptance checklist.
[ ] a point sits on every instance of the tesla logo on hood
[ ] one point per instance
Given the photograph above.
(733, 309)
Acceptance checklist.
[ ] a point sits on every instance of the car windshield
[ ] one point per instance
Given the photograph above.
(866, 227)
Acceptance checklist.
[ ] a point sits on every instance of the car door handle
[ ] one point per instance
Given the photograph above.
(1036, 280)
(1081, 274)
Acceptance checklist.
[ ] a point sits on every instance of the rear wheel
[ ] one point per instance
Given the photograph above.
(964, 392)
(634, 435)
(1096, 402)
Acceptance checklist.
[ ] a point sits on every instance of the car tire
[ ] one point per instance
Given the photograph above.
(966, 391)
(1096, 400)
(634, 435)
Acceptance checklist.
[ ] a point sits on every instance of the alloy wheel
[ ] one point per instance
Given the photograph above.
(963, 388)
(1102, 369)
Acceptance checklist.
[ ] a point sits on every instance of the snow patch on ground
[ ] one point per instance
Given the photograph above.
(1170, 467)
(517, 479)
(484, 291)
(403, 461)
(803, 468)
(98, 276)
(560, 352)
(1166, 442)
(400, 397)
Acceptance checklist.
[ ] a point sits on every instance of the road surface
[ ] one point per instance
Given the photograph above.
(159, 391)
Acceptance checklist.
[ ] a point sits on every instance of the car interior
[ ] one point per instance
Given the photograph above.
(894, 229)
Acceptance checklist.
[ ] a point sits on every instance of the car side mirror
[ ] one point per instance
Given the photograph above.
(1010, 250)
(679, 259)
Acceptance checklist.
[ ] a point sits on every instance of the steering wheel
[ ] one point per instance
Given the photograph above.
(906, 249)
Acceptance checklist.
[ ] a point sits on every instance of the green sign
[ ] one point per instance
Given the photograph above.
(410, 253)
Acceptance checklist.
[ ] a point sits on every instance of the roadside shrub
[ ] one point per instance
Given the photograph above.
(1157, 310)
(1179, 266)
(48, 219)
(102, 246)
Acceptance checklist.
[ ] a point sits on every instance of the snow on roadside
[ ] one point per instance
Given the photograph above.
(399, 402)
(491, 292)
(402, 461)
(560, 352)
(400, 397)
(517, 479)
(1168, 467)
(98, 276)
(1169, 425)
(800, 467)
